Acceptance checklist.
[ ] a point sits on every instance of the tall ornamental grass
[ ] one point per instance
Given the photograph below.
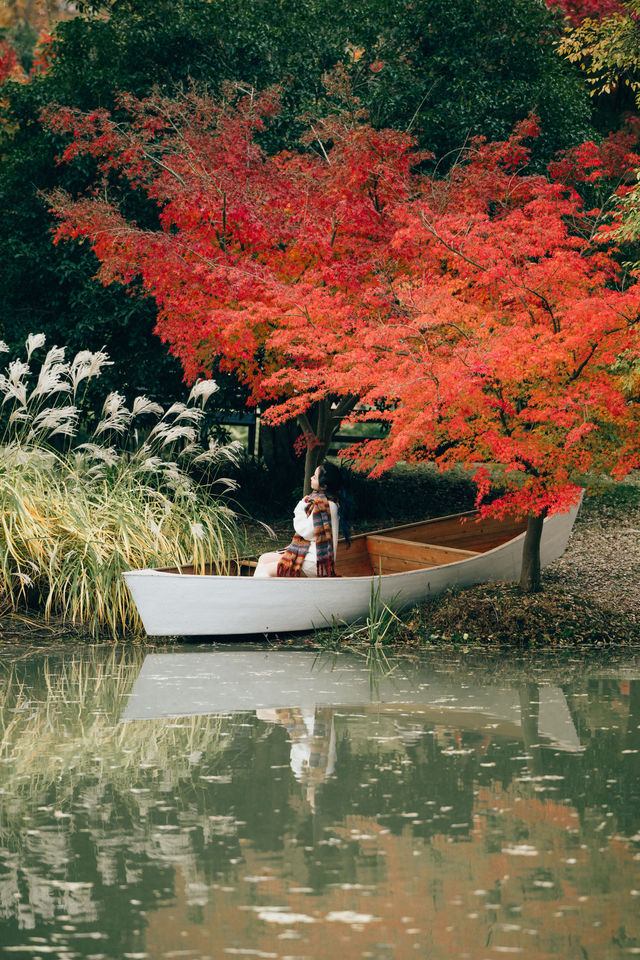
(79, 510)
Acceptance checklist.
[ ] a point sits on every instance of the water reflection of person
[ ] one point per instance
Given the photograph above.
(313, 743)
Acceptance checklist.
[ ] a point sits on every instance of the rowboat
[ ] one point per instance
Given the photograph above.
(407, 564)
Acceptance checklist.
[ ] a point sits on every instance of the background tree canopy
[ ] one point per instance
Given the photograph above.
(445, 71)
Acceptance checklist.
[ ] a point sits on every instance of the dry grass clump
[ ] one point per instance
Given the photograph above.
(75, 515)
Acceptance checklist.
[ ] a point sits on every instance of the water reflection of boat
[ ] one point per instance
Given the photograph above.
(235, 681)
(409, 562)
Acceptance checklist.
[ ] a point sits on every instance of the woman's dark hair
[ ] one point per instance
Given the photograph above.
(333, 481)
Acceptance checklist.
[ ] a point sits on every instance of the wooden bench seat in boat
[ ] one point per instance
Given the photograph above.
(377, 553)
(430, 543)
(395, 555)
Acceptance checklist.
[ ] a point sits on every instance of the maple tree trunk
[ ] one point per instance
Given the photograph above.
(319, 428)
(313, 458)
(319, 441)
(530, 575)
(529, 723)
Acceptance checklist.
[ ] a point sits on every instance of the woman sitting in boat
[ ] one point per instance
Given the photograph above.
(316, 520)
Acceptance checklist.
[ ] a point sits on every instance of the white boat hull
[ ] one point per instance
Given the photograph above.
(179, 604)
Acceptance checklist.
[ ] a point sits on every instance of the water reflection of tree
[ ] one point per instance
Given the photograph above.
(606, 711)
(530, 724)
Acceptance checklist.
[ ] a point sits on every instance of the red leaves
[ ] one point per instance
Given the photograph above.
(9, 64)
(476, 316)
(616, 159)
(578, 10)
(513, 324)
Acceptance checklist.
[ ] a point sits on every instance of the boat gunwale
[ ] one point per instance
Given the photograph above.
(155, 571)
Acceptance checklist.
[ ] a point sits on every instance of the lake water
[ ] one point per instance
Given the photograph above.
(251, 802)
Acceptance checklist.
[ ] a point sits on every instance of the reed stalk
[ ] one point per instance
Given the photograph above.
(377, 630)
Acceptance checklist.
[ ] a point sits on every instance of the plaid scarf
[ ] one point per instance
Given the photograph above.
(290, 564)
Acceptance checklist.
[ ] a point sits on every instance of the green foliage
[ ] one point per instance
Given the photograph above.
(52, 288)
(457, 70)
(406, 493)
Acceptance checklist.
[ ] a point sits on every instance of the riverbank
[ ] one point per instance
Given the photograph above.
(590, 595)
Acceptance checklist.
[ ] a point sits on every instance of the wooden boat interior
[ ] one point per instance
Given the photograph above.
(419, 546)
(400, 549)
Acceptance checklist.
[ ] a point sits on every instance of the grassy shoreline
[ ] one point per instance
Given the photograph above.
(591, 595)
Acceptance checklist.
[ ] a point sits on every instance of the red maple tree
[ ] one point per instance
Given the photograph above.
(482, 316)
(611, 165)
(253, 253)
(518, 347)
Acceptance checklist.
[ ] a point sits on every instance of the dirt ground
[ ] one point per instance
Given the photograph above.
(602, 561)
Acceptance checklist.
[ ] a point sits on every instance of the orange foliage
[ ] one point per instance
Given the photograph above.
(10, 68)
(43, 53)
(481, 317)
